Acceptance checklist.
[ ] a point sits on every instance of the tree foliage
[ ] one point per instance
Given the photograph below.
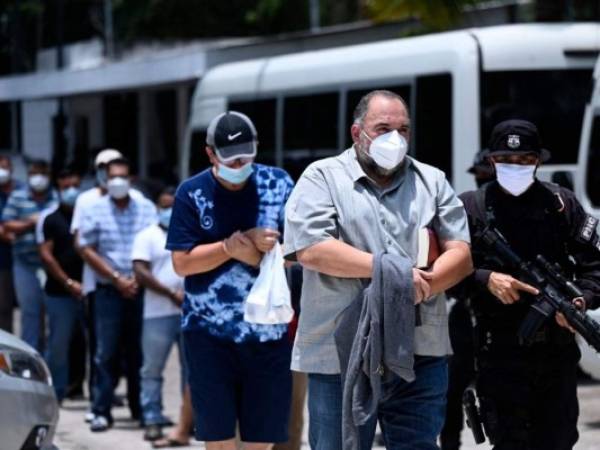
(434, 14)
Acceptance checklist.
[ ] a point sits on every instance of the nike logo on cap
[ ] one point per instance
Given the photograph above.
(231, 137)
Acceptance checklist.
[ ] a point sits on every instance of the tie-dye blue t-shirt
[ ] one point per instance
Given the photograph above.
(205, 212)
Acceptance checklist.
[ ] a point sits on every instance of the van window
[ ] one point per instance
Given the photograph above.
(554, 100)
(593, 167)
(432, 130)
(354, 96)
(310, 130)
(262, 113)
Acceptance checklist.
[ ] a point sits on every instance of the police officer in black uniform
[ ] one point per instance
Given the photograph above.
(527, 390)
(461, 370)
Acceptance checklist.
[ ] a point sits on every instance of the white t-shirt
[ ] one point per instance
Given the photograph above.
(83, 202)
(149, 246)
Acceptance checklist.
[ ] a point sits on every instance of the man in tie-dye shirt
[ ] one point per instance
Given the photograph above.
(223, 220)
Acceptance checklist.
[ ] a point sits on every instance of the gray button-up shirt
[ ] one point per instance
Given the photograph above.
(334, 199)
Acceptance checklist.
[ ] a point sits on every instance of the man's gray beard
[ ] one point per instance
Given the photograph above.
(371, 166)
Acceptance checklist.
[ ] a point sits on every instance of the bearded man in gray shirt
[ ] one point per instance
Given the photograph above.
(370, 199)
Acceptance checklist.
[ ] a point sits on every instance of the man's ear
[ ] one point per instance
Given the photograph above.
(355, 133)
(211, 155)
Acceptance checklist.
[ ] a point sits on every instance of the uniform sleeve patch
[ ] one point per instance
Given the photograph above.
(588, 228)
(597, 243)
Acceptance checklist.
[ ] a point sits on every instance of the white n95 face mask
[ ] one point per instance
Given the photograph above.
(118, 187)
(515, 178)
(388, 150)
(4, 175)
(39, 182)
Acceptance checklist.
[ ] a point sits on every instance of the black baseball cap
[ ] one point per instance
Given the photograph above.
(516, 136)
(232, 135)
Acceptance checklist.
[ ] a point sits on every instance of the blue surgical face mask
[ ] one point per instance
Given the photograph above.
(164, 217)
(234, 176)
(69, 195)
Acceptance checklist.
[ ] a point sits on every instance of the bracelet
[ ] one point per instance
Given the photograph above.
(69, 282)
(115, 275)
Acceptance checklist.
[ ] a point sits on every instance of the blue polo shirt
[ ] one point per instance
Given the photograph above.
(205, 212)
(19, 206)
(5, 247)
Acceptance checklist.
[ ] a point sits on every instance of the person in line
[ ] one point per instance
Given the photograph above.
(20, 216)
(370, 199)
(224, 218)
(163, 297)
(84, 205)
(527, 387)
(7, 300)
(106, 236)
(64, 296)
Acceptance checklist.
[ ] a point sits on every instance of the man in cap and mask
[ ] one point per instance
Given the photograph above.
(528, 388)
(106, 237)
(223, 220)
(374, 199)
(20, 216)
(83, 205)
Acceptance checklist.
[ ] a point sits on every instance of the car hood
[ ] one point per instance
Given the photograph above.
(11, 340)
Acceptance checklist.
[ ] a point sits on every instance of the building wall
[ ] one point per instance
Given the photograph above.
(37, 128)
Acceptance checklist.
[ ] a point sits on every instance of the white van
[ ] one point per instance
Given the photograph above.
(587, 189)
(457, 84)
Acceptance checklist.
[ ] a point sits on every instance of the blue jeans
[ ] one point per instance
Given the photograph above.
(158, 336)
(65, 313)
(411, 415)
(30, 298)
(118, 323)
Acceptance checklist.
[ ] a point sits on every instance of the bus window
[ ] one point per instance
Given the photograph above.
(309, 131)
(262, 113)
(593, 167)
(433, 122)
(198, 158)
(310, 122)
(354, 96)
(554, 100)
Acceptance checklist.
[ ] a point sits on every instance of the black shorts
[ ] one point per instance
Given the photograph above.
(249, 383)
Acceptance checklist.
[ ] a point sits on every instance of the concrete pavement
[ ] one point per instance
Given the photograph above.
(74, 434)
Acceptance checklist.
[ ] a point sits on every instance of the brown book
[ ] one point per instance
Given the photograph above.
(428, 248)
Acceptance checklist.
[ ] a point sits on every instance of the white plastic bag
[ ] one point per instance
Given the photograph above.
(268, 302)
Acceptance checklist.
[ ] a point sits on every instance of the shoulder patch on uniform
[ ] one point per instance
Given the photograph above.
(597, 243)
(588, 228)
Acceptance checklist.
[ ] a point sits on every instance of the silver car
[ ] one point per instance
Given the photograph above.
(28, 406)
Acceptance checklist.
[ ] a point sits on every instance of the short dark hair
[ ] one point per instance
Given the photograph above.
(363, 104)
(66, 172)
(118, 162)
(167, 190)
(38, 164)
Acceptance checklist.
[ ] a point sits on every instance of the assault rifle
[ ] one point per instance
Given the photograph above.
(556, 291)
